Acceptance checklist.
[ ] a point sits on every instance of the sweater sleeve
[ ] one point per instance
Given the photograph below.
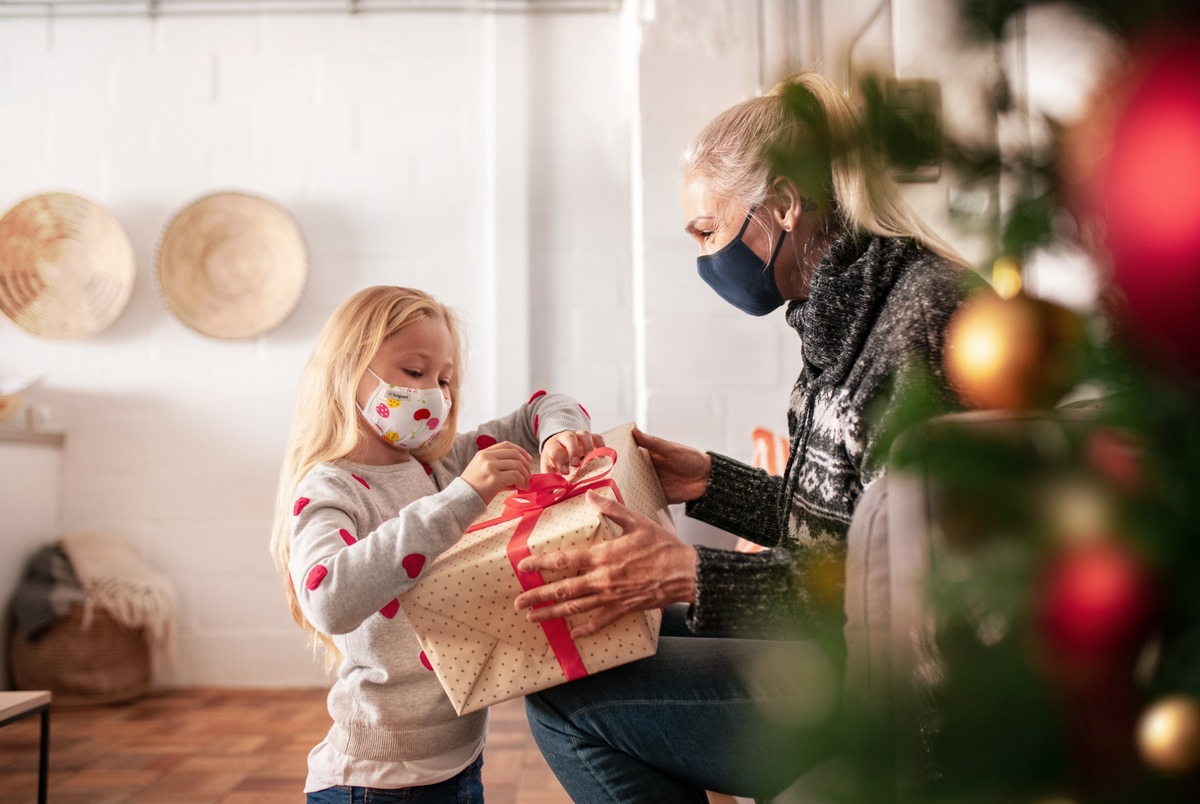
(762, 593)
(343, 576)
(742, 500)
(736, 592)
(529, 426)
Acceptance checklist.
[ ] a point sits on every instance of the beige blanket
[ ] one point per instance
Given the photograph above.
(114, 577)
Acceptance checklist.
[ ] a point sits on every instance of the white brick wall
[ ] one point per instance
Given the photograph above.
(371, 131)
(505, 164)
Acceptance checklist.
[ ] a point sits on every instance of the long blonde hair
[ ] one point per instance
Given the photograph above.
(326, 423)
(805, 129)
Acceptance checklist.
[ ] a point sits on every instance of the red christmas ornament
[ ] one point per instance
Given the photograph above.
(1096, 603)
(1117, 456)
(1150, 201)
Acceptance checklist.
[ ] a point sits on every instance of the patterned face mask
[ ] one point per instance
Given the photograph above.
(406, 418)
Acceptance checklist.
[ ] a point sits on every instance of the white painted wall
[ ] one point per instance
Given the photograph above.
(522, 168)
(482, 158)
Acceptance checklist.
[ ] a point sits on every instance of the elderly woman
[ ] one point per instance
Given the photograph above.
(787, 206)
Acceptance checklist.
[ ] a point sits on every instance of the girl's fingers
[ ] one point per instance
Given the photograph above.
(507, 449)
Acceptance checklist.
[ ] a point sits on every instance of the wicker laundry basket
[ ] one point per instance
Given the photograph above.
(106, 662)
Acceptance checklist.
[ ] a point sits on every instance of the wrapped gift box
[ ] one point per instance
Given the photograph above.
(484, 651)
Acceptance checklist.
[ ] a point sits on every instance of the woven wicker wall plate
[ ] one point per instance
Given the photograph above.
(66, 266)
(231, 265)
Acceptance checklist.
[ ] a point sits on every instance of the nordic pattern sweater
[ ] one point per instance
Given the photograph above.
(361, 535)
(876, 315)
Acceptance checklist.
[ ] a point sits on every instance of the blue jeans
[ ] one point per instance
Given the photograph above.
(739, 716)
(465, 788)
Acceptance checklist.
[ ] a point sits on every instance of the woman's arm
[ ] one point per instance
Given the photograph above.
(742, 500)
(648, 567)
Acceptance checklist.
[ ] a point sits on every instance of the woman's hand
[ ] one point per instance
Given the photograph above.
(646, 567)
(682, 471)
(500, 466)
(564, 451)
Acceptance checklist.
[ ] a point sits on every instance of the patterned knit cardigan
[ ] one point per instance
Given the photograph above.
(877, 308)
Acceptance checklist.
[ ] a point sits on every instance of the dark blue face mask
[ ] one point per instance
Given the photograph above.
(740, 277)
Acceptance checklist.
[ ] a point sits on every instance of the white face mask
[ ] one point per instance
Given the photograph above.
(406, 418)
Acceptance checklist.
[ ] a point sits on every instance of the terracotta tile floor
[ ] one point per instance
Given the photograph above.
(228, 746)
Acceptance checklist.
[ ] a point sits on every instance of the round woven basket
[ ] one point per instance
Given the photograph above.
(106, 662)
(66, 266)
(231, 265)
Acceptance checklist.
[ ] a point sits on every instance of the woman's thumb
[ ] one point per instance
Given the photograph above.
(643, 439)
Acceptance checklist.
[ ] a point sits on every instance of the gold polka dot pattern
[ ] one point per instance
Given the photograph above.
(484, 651)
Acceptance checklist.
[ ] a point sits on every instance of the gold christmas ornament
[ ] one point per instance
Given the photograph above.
(1006, 277)
(1169, 734)
(1018, 353)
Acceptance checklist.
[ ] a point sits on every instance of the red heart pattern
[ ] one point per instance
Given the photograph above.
(421, 415)
(536, 394)
(366, 485)
(346, 537)
(413, 563)
(315, 576)
(484, 441)
(390, 609)
(299, 506)
(425, 661)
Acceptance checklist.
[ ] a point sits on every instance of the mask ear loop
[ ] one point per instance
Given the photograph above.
(745, 223)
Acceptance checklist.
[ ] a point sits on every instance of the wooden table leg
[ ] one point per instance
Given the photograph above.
(44, 756)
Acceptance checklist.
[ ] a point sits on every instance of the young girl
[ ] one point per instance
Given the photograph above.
(375, 484)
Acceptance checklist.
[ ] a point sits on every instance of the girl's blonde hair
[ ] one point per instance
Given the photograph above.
(805, 129)
(326, 425)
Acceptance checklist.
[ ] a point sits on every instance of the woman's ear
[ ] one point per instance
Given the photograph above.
(791, 203)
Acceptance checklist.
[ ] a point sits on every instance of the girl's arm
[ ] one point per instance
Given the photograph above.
(544, 415)
(343, 576)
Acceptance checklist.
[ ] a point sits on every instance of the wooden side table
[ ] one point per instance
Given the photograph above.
(17, 705)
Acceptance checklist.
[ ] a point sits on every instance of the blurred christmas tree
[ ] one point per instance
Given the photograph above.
(1065, 585)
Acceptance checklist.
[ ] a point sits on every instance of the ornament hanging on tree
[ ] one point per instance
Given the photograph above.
(1095, 605)
(1169, 734)
(1149, 201)
(1117, 457)
(1018, 353)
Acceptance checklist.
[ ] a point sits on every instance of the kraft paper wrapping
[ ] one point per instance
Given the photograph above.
(482, 650)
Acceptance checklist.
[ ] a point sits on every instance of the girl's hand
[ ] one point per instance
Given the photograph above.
(564, 451)
(498, 467)
(682, 471)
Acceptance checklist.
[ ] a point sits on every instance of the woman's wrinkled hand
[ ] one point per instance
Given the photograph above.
(682, 471)
(646, 567)
(501, 466)
(564, 451)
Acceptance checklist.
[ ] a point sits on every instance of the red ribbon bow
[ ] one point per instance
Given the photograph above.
(544, 491)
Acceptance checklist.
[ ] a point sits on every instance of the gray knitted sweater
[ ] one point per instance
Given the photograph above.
(877, 308)
(361, 536)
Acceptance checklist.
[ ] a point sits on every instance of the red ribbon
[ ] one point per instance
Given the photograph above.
(544, 491)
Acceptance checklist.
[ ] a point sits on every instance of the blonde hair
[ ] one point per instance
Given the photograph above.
(325, 422)
(805, 129)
